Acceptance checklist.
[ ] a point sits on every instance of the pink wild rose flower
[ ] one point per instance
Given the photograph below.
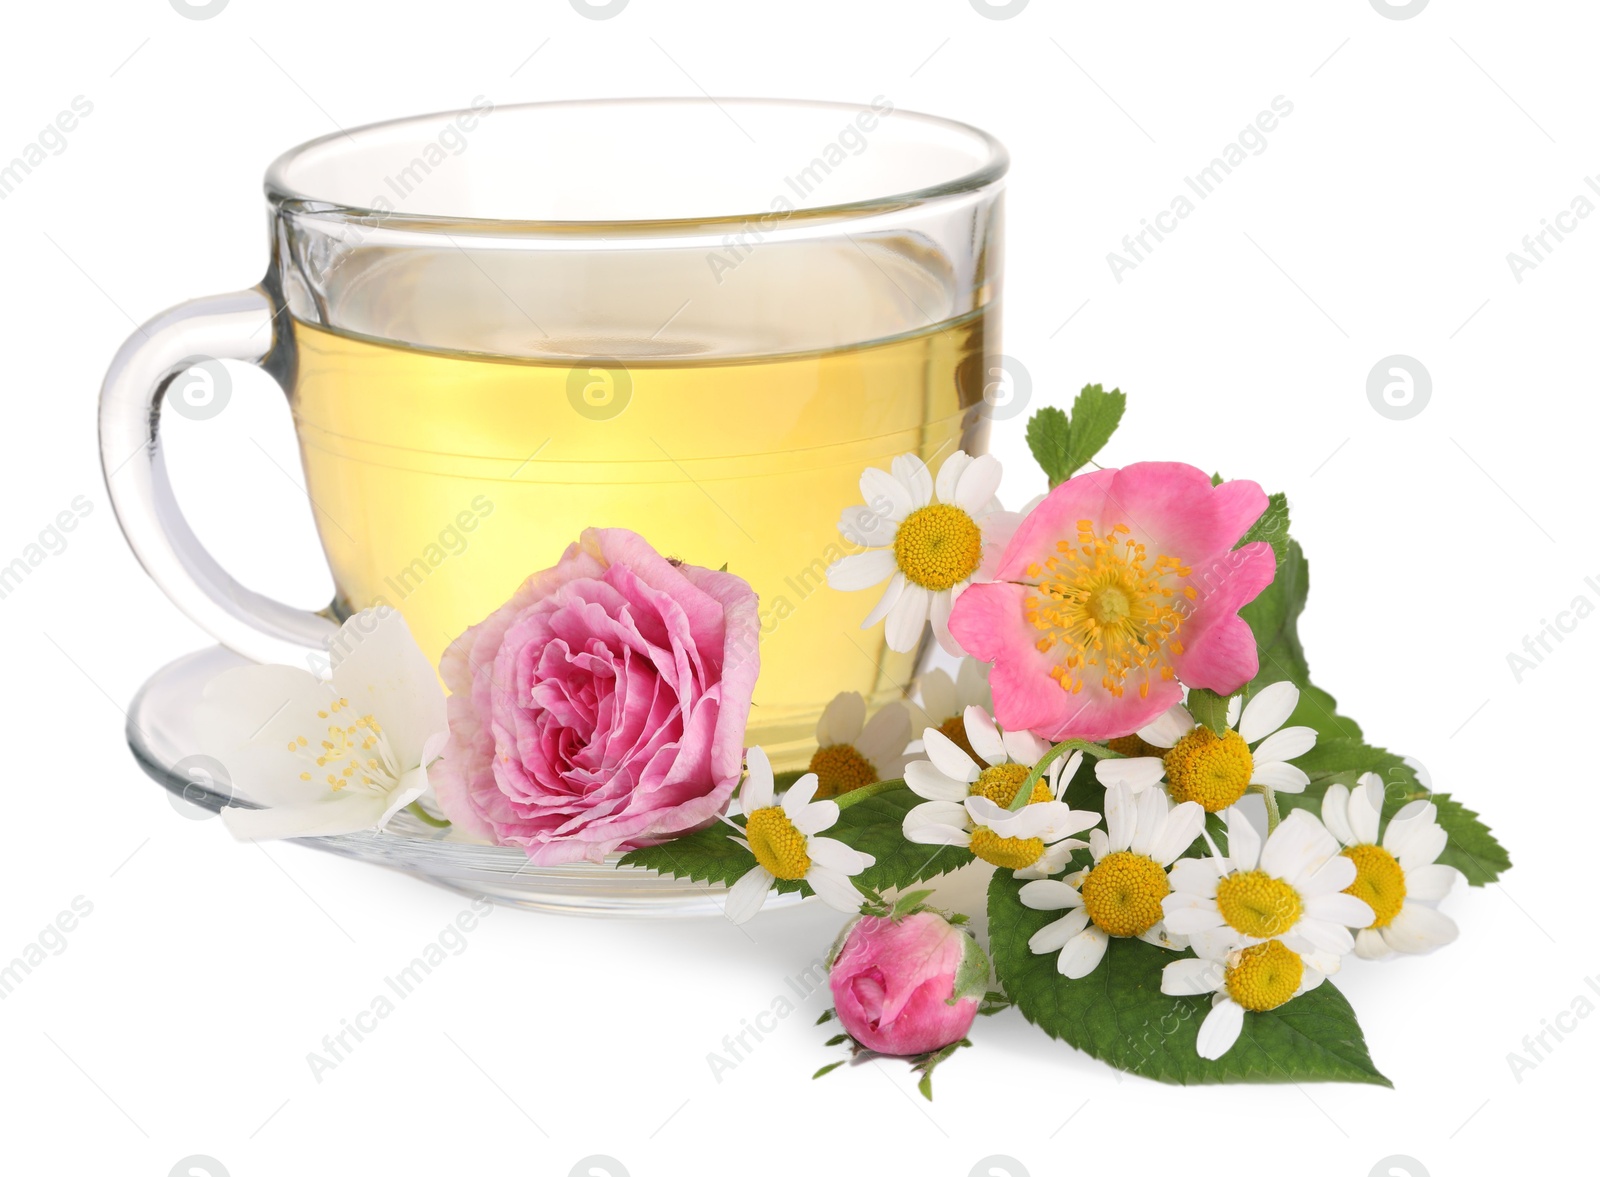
(603, 707)
(893, 981)
(1118, 590)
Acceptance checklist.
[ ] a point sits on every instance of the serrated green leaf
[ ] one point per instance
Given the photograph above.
(1048, 431)
(1472, 849)
(1209, 709)
(972, 973)
(875, 826)
(1062, 445)
(1095, 417)
(1118, 1013)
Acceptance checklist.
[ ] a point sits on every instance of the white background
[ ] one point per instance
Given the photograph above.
(1377, 221)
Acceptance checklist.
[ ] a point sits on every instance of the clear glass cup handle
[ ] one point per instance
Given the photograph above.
(225, 326)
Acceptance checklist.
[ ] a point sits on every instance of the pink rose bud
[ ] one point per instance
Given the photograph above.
(908, 986)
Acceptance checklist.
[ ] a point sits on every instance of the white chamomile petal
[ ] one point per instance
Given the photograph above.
(1280, 777)
(948, 757)
(1268, 711)
(1285, 744)
(842, 719)
(944, 486)
(1054, 935)
(906, 618)
(757, 792)
(747, 895)
(890, 598)
(912, 473)
(984, 736)
(978, 483)
(879, 487)
(925, 780)
(862, 570)
(1220, 1030)
(1169, 727)
(1136, 772)
(1336, 814)
(834, 888)
(1082, 953)
(1431, 882)
(1023, 747)
(1419, 928)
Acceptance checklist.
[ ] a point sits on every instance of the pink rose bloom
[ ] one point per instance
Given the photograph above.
(1118, 590)
(893, 983)
(603, 707)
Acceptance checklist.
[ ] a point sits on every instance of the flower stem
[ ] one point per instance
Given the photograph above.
(846, 800)
(1025, 790)
(1273, 817)
(426, 818)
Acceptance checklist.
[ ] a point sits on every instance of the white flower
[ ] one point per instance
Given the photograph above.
(1257, 978)
(1121, 894)
(782, 837)
(929, 541)
(1291, 889)
(967, 799)
(1399, 879)
(852, 751)
(945, 700)
(1214, 770)
(330, 757)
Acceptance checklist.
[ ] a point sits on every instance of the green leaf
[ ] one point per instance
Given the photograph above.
(1472, 849)
(1061, 445)
(1209, 709)
(875, 827)
(821, 1071)
(1118, 1013)
(1048, 438)
(972, 974)
(1274, 618)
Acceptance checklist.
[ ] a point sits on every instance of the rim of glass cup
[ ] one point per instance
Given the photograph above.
(284, 197)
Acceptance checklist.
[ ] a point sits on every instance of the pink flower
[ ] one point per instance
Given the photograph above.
(1119, 589)
(893, 983)
(603, 707)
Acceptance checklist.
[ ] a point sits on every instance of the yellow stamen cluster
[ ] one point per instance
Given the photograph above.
(1210, 769)
(777, 845)
(1000, 783)
(938, 546)
(1255, 903)
(1265, 976)
(1123, 893)
(1110, 607)
(345, 753)
(841, 769)
(1011, 853)
(1380, 883)
(1134, 745)
(954, 729)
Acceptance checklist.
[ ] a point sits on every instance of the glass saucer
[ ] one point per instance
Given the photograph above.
(163, 736)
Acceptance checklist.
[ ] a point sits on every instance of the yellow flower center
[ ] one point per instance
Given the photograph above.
(954, 729)
(1014, 853)
(1255, 903)
(1134, 745)
(1211, 769)
(1123, 893)
(777, 845)
(1111, 609)
(1380, 883)
(938, 546)
(1001, 782)
(841, 769)
(355, 751)
(1265, 977)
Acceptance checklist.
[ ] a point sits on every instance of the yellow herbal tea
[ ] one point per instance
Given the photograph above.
(442, 478)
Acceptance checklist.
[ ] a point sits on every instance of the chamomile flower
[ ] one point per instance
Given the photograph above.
(929, 539)
(1292, 889)
(1255, 979)
(1121, 893)
(968, 799)
(945, 700)
(1400, 878)
(1198, 765)
(852, 751)
(783, 839)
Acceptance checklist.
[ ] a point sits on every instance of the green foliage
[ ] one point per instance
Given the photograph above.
(1062, 445)
(1118, 1013)
(1209, 709)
